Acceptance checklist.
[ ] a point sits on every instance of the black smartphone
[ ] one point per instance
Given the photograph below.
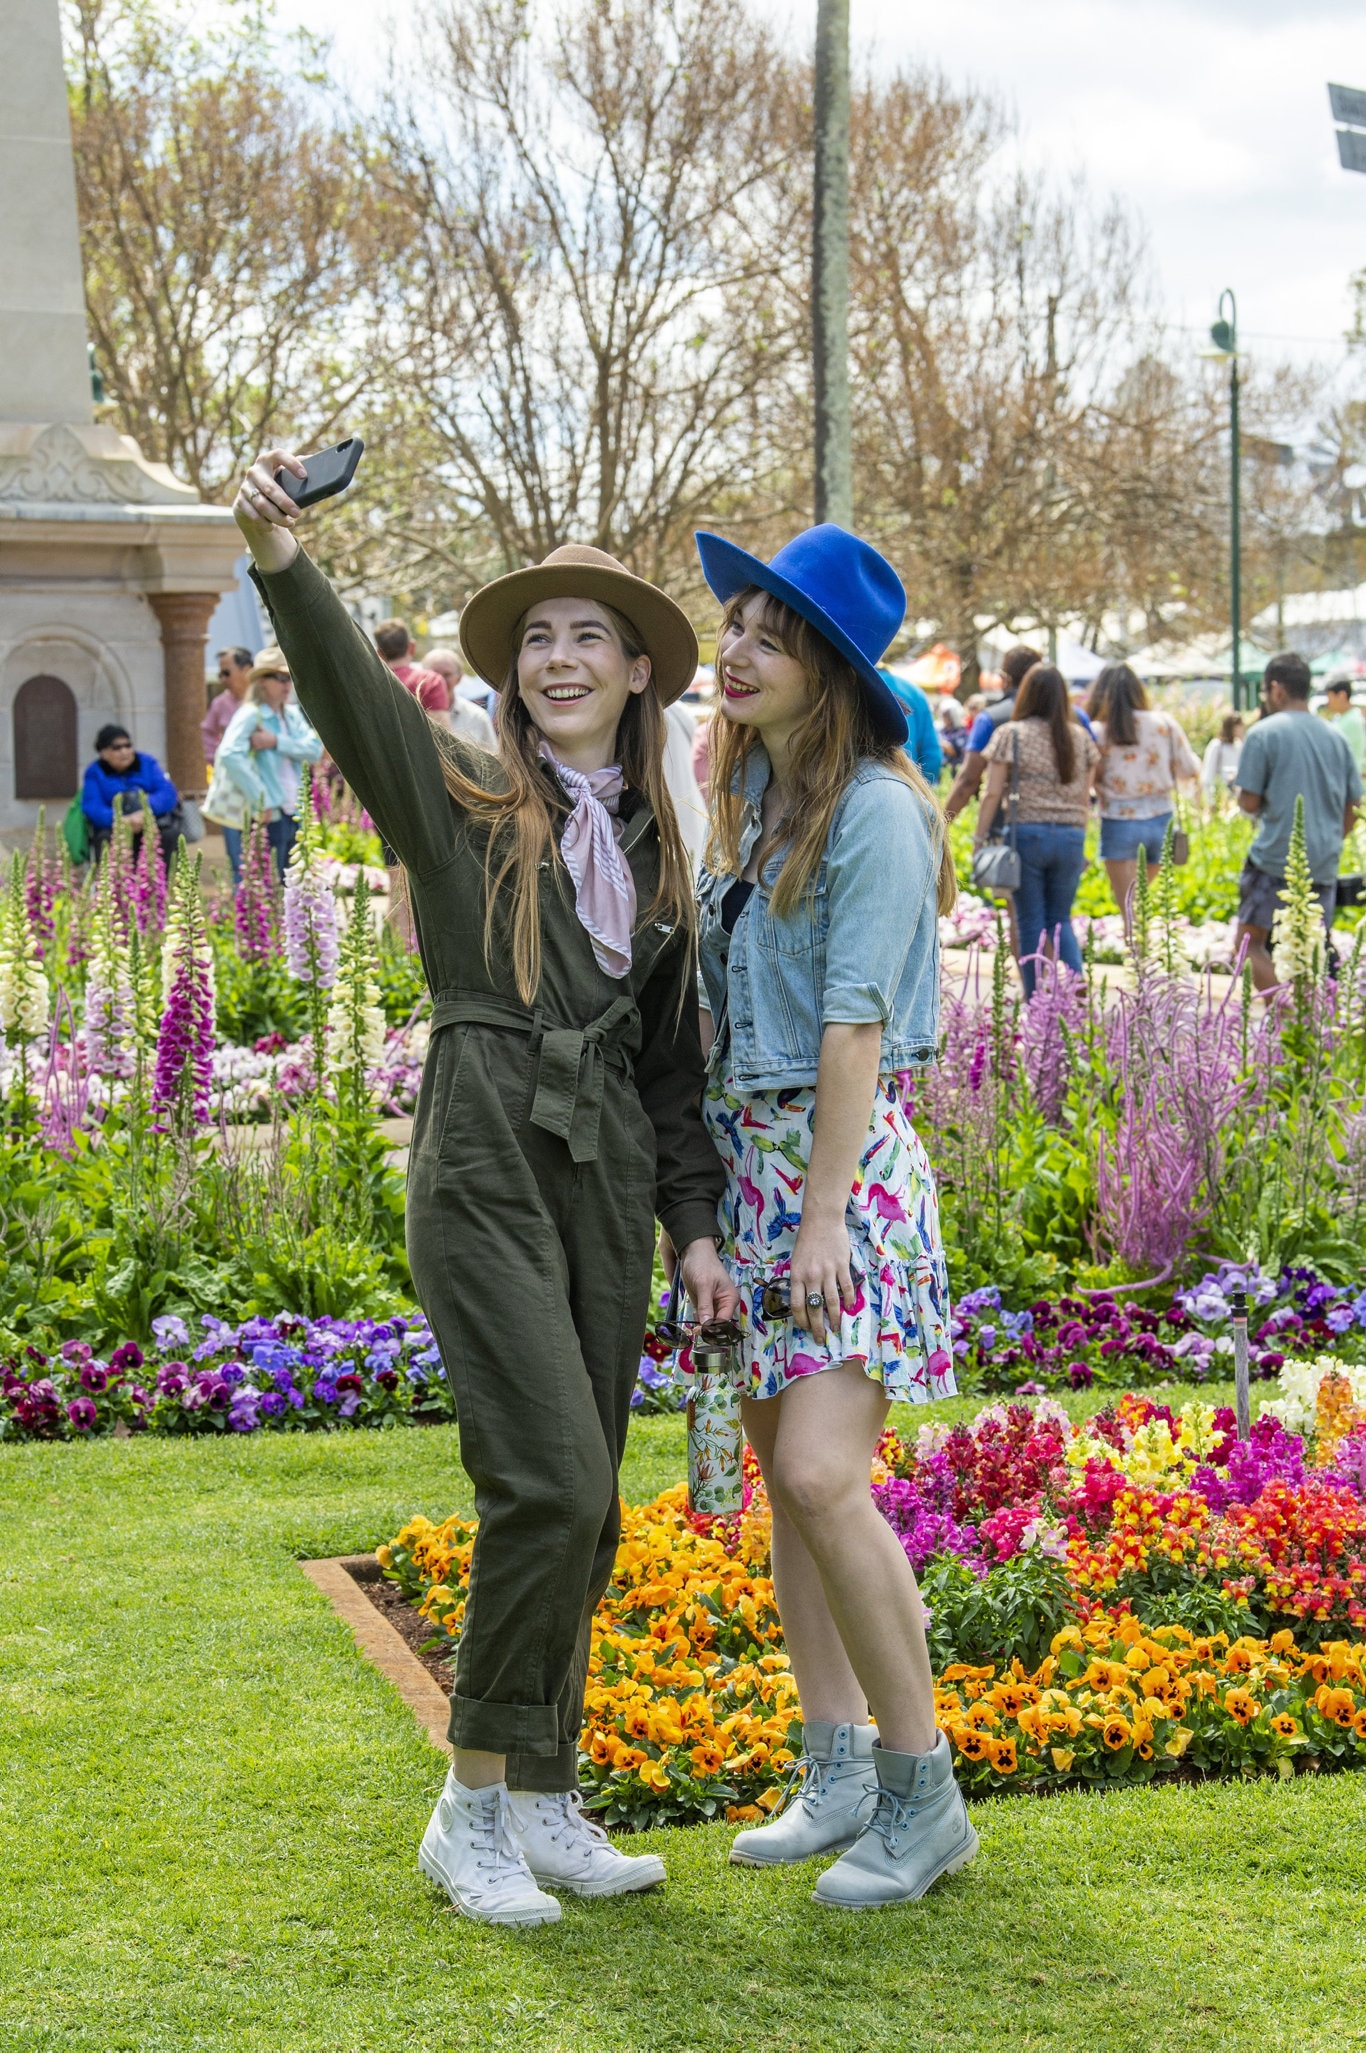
(329, 471)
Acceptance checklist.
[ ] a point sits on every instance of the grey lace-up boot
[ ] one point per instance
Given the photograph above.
(919, 1831)
(832, 1787)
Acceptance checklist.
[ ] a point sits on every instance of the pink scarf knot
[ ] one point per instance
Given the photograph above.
(604, 889)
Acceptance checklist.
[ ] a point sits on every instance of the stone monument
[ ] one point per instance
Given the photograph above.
(109, 567)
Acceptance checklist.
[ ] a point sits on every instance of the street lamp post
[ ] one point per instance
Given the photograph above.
(1224, 336)
(834, 494)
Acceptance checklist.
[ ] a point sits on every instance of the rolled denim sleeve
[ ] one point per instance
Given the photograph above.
(881, 882)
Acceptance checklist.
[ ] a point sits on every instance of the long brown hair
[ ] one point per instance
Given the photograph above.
(1044, 696)
(1116, 696)
(837, 735)
(520, 819)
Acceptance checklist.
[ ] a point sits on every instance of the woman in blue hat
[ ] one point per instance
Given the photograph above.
(827, 869)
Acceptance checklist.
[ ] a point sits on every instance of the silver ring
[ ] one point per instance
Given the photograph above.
(814, 1298)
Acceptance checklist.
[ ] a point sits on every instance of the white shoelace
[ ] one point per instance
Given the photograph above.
(497, 1849)
(570, 1822)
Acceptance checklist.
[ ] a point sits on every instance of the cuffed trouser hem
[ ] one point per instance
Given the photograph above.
(543, 1772)
(519, 1729)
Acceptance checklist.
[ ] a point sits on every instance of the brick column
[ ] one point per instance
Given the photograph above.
(184, 619)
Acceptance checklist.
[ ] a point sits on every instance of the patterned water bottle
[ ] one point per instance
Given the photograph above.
(715, 1438)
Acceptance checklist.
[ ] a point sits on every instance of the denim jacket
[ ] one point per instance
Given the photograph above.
(863, 947)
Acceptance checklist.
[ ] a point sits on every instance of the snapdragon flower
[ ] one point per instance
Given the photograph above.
(109, 1028)
(1297, 948)
(310, 914)
(355, 1022)
(184, 1052)
(25, 1003)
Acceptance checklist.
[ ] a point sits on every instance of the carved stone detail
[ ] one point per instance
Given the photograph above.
(65, 465)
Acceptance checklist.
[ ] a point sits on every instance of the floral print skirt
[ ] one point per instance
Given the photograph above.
(899, 1329)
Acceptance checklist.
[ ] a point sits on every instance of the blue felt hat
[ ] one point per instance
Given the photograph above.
(841, 585)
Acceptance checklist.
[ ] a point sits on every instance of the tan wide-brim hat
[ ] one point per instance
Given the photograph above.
(270, 662)
(488, 625)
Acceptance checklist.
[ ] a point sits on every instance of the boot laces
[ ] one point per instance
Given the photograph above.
(570, 1822)
(891, 1815)
(497, 1850)
(809, 1781)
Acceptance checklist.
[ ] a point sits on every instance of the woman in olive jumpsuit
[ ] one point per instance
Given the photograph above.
(547, 1139)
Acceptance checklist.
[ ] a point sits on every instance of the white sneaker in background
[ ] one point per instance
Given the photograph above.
(565, 1850)
(469, 1850)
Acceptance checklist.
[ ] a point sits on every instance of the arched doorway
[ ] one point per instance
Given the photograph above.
(45, 761)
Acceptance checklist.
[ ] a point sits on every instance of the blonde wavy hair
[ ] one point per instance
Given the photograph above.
(520, 819)
(837, 735)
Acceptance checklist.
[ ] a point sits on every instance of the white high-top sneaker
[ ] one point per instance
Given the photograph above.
(919, 1831)
(468, 1849)
(565, 1850)
(830, 1802)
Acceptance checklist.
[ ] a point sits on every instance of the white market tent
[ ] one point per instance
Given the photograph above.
(1191, 661)
(1313, 609)
(1078, 664)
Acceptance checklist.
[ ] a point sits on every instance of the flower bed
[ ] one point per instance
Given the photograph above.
(1200, 944)
(1109, 1341)
(261, 1082)
(282, 1374)
(1140, 1596)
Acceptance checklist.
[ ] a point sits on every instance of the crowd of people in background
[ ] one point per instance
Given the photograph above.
(1036, 759)
(1042, 759)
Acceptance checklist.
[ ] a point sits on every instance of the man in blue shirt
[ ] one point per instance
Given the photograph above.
(1290, 755)
(1015, 667)
(922, 743)
(124, 780)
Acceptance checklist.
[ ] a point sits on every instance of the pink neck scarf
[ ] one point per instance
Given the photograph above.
(604, 889)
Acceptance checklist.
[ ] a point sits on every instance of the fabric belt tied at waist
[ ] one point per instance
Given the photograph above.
(572, 1062)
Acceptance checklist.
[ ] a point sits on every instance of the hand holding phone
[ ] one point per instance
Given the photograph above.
(329, 471)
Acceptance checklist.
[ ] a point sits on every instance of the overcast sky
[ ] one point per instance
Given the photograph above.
(1209, 117)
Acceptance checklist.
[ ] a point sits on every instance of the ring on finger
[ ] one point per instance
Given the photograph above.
(814, 1298)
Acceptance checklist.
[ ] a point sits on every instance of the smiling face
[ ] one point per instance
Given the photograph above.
(760, 684)
(575, 678)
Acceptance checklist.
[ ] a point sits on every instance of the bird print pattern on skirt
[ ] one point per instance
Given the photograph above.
(899, 1328)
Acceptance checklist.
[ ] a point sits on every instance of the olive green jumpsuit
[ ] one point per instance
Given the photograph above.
(545, 1142)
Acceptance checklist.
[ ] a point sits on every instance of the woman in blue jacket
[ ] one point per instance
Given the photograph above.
(827, 870)
(125, 780)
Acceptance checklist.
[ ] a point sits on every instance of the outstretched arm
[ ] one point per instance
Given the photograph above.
(373, 729)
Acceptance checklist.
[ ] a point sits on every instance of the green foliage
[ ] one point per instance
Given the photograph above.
(1191, 1601)
(255, 997)
(402, 984)
(147, 1580)
(348, 842)
(97, 1245)
(1012, 1613)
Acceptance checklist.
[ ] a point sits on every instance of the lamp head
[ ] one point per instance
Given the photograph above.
(1222, 336)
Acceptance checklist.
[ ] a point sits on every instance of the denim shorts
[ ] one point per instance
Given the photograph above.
(1259, 897)
(1120, 840)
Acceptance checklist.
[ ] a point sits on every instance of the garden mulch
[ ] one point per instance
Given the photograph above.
(390, 1633)
(393, 1607)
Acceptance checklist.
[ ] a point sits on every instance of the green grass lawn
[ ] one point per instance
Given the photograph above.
(210, 1808)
